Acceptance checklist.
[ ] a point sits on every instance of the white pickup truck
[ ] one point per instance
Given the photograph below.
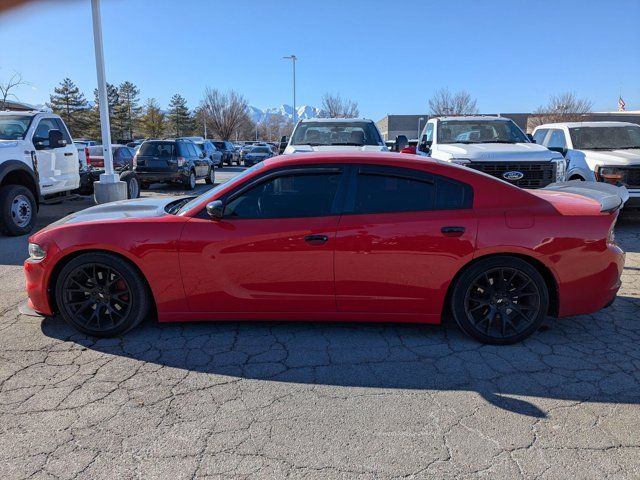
(598, 151)
(493, 145)
(334, 135)
(38, 161)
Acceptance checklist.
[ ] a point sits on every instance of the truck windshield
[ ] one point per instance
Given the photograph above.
(605, 138)
(14, 127)
(336, 133)
(480, 131)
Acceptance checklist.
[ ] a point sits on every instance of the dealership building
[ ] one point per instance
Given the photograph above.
(393, 125)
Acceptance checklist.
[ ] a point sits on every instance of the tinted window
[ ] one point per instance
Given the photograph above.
(557, 139)
(287, 196)
(219, 145)
(539, 135)
(387, 189)
(125, 153)
(158, 149)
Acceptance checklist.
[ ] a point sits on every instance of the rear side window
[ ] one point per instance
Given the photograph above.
(158, 149)
(390, 189)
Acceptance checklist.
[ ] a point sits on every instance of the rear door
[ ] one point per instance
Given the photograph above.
(403, 236)
(159, 157)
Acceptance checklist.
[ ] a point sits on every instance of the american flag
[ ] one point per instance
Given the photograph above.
(621, 104)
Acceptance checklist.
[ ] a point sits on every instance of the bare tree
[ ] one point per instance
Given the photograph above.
(6, 88)
(565, 107)
(443, 102)
(225, 113)
(334, 106)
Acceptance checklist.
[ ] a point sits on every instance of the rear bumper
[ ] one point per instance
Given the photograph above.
(160, 177)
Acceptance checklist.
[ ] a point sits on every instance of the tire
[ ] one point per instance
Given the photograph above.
(102, 283)
(211, 178)
(520, 300)
(190, 182)
(133, 184)
(18, 210)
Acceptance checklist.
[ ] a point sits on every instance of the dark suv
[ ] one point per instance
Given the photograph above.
(179, 161)
(229, 154)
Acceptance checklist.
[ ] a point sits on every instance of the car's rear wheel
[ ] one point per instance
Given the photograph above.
(18, 210)
(211, 178)
(133, 185)
(101, 295)
(500, 300)
(190, 182)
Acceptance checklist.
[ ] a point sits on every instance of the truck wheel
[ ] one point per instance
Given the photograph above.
(211, 178)
(133, 185)
(18, 210)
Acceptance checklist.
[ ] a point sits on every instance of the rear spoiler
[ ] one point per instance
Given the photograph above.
(610, 197)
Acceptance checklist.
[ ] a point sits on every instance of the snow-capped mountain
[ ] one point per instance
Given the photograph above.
(285, 111)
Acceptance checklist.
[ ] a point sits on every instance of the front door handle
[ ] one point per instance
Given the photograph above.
(316, 239)
(452, 231)
(67, 154)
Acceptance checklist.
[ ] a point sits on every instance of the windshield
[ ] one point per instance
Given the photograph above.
(260, 150)
(209, 194)
(14, 127)
(336, 133)
(605, 138)
(480, 131)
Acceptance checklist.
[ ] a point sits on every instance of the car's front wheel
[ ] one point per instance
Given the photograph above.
(101, 295)
(500, 300)
(18, 210)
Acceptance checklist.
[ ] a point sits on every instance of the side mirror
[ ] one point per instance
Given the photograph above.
(425, 145)
(401, 142)
(215, 209)
(530, 137)
(283, 144)
(561, 150)
(55, 139)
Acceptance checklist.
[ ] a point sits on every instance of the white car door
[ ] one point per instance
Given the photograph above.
(58, 167)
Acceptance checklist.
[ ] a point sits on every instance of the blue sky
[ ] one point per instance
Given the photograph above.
(389, 56)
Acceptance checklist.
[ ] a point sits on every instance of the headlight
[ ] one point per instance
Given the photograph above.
(610, 175)
(561, 169)
(36, 252)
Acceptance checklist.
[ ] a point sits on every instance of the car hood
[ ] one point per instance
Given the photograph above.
(507, 152)
(335, 148)
(614, 157)
(120, 210)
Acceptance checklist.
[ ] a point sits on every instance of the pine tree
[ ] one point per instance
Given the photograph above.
(69, 102)
(152, 121)
(179, 118)
(112, 101)
(127, 111)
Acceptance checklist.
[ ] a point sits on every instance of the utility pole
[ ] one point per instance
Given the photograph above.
(109, 188)
(293, 59)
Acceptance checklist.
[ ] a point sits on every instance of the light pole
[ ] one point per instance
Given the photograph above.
(293, 59)
(420, 120)
(109, 188)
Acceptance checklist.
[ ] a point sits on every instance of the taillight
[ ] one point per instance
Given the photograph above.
(181, 161)
(87, 156)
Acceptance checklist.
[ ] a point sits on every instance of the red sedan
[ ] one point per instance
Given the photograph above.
(348, 236)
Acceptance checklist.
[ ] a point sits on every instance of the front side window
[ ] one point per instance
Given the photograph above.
(391, 189)
(336, 133)
(428, 132)
(287, 196)
(540, 135)
(480, 131)
(41, 135)
(557, 139)
(606, 138)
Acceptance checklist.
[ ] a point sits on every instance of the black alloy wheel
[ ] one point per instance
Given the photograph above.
(101, 295)
(500, 300)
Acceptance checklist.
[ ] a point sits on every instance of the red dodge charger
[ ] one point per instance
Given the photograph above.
(347, 236)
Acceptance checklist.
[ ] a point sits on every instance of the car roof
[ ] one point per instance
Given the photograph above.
(475, 118)
(587, 124)
(335, 120)
(27, 113)
(351, 157)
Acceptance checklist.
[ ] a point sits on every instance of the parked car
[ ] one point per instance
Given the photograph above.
(178, 161)
(93, 159)
(597, 151)
(342, 236)
(332, 134)
(257, 154)
(493, 145)
(209, 149)
(229, 153)
(38, 163)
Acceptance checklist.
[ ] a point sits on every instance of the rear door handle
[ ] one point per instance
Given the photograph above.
(316, 239)
(452, 231)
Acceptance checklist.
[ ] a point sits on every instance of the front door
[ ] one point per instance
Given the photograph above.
(402, 238)
(273, 249)
(58, 168)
